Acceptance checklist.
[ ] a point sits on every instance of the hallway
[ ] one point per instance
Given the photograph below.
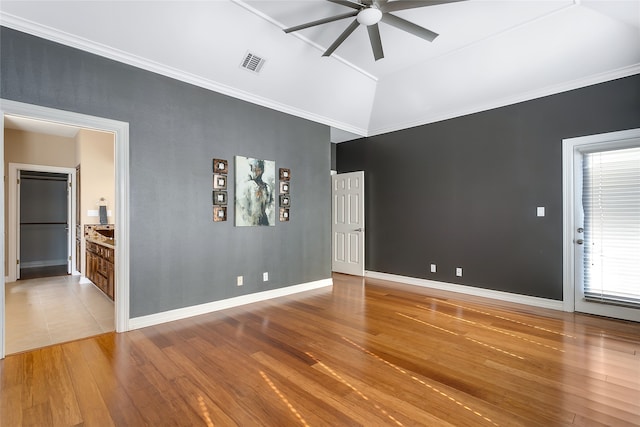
(51, 310)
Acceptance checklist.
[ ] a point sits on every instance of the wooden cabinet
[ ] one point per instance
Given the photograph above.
(100, 267)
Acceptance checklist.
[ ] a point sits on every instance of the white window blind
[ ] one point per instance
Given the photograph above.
(611, 202)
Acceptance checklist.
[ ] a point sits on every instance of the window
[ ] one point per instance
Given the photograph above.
(611, 203)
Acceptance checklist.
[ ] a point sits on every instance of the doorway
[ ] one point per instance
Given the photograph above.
(44, 223)
(120, 130)
(602, 224)
(347, 223)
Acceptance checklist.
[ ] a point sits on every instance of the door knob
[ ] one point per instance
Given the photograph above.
(580, 241)
(359, 229)
(580, 230)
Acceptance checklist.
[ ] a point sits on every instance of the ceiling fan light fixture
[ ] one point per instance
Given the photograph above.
(369, 16)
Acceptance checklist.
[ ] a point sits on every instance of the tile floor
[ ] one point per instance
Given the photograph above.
(51, 310)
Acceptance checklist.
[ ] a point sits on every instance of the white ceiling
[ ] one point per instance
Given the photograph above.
(40, 126)
(489, 53)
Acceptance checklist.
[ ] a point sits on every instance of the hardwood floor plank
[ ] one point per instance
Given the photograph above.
(361, 353)
(61, 395)
(10, 400)
(37, 415)
(86, 391)
(104, 371)
(210, 393)
(332, 393)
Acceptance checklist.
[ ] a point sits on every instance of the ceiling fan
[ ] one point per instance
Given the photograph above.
(369, 13)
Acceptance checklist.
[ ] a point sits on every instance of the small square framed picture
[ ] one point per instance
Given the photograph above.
(284, 214)
(220, 166)
(219, 213)
(284, 187)
(219, 198)
(219, 182)
(285, 174)
(285, 200)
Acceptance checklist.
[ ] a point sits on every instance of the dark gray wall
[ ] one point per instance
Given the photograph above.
(179, 257)
(333, 156)
(464, 192)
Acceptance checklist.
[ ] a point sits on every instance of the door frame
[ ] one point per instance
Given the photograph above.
(571, 150)
(121, 138)
(13, 199)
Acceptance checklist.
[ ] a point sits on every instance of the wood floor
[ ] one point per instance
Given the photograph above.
(371, 354)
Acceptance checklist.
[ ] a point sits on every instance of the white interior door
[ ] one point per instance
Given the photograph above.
(603, 271)
(347, 230)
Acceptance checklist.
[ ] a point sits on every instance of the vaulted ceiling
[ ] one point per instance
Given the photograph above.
(488, 53)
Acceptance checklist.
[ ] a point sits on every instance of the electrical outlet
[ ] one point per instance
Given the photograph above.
(239, 281)
(458, 271)
(265, 276)
(433, 268)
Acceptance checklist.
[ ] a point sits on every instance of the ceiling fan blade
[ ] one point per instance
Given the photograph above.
(409, 27)
(350, 29)
(392, 6)
(348, 3)
(321, 21)
(376, 42)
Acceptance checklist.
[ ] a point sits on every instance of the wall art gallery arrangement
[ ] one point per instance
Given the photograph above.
(285, 194)
(254, 192)
(220, 171)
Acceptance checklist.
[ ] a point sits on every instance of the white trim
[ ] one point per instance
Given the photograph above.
(469, 290)
(121, 136)
(196, 310)
(515, 99)
(570, 146)
(2, 246)
(39, 30)
(12, 222)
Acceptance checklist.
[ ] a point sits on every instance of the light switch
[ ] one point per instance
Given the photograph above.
(540, 211)
(433, 268)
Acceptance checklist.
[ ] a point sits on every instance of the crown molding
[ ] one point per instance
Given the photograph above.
(45, 32)
(26, 26)
(521, 97)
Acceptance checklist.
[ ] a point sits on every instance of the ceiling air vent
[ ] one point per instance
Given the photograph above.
(252, 62)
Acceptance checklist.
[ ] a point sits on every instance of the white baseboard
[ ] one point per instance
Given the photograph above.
(469, 290)
(196, 310)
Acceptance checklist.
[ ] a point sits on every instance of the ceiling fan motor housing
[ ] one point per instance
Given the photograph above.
(369, 16)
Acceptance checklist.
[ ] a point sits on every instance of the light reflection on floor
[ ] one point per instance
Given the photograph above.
(413, 377)
(205, 412)
(284, 399)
